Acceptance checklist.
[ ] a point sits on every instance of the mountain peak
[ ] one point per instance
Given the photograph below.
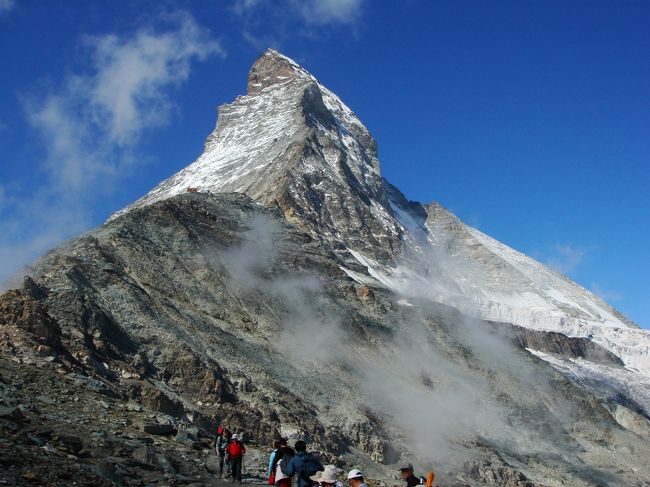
(273, 68)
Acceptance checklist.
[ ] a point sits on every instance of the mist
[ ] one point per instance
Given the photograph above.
(440, 380)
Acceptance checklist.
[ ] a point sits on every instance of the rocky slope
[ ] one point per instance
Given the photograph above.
(294, 292)
(213, 305)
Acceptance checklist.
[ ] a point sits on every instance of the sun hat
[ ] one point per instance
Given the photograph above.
(355, 473)
(327, 476)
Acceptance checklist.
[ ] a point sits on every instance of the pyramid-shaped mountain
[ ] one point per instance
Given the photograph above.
(292, 143)
(281, 286)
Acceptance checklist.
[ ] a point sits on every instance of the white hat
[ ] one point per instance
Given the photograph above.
(235, 436)
(328, 476)
(355, 473)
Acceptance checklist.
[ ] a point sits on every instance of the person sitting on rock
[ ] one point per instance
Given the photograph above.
(236, 451)
(303, 465)
(220, 447)
(409, 476)
(355, 478)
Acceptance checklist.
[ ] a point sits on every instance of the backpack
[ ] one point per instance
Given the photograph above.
(284, 461)
(309, 467)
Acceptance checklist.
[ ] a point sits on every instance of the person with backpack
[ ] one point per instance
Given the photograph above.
(220, 446)
(236, 451)
(303, 465)
(270, 473)
(282, 457)
(409, 476)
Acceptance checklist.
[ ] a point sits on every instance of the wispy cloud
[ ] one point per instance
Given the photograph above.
(565, 258)
(328, 12)
(90, 128)
(6, 6)
(243, 7)
(272, 23)
(605, 294)
(127, 92)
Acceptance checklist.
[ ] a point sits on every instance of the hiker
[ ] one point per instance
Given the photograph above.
(355, 478)
(409, 476)
(270, 473)
(219, 428)
(220, 446)
(327, 477)
(303, 465)
(229, 436)
(236, 451)
(282, 457)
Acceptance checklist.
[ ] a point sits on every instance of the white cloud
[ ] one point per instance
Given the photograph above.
(323, 12)
(565, 258)
(605, 294)
(127, 91)
(93, 123)
(241, 7)
(6, 6)
(272, 23)
(91, 126)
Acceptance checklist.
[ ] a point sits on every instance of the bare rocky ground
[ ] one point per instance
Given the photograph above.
(60, 428)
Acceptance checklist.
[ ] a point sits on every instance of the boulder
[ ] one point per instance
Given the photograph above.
(159, 429)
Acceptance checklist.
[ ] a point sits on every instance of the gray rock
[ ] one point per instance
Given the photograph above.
(46, 400)
(148, 455)
(159, 429)
(92, 384)
(36, 440)
(11, 413)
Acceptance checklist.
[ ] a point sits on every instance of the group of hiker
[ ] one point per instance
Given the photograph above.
(230, 449)
(287, 464)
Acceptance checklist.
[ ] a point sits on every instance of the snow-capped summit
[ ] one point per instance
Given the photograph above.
(292, 143)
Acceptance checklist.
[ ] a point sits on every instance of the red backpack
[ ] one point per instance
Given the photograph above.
(235, 449)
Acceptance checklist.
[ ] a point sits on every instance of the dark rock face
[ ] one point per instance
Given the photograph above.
(205, 306)
(268, 71)
(559, 344)
(159, 429)
(19, 309)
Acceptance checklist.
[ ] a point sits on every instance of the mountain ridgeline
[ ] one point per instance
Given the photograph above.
(280, 283)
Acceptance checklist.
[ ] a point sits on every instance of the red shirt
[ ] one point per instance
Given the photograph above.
(235, 449)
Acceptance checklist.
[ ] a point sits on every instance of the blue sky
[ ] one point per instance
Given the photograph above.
(529, 120)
